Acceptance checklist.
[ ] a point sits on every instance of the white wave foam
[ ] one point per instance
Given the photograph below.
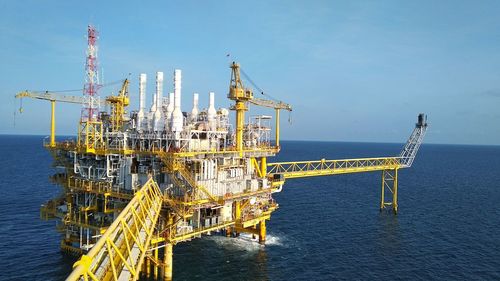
(272, 240)
(246, 242)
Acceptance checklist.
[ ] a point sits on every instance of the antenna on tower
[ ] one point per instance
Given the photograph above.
(90, 130)
(90, 90)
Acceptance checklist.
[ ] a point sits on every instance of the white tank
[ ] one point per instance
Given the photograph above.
(211, 113)
(177, 118)
(195, 111)
(158, 119)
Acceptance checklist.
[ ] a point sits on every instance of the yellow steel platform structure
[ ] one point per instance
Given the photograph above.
(140, 185)
(278, 172)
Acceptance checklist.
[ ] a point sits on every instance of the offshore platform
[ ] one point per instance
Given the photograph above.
(137, 183)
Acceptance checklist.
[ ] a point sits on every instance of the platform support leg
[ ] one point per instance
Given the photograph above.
(237, 215)
(263, 166)
(262, 232)
(148, 268)
(237, 211)
(167, 267)
(53, 123)
(155, 269)
(389, 183)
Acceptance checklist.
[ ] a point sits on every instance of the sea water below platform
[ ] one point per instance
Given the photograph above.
(327, 228)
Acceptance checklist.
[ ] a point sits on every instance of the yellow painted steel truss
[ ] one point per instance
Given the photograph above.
(324, 167)
(120, 252)
(390, 184)
(388, 165)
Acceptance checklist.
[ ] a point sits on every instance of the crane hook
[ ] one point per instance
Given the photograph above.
(21, 109)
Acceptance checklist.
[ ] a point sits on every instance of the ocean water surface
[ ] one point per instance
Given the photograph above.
(327, 228)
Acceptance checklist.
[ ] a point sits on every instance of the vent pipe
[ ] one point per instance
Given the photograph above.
(211, 111)
(170, 107)
(142, 100)
(194, 111)
(159, 121)
(177, 118)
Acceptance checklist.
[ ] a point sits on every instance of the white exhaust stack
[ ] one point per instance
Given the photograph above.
(153, 106)
(170, 106)
(159, 121)
(142, 100)
(194, 111)
(211, 111)
(177, 118)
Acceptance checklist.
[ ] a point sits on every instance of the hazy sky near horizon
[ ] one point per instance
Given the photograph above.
(353, 70)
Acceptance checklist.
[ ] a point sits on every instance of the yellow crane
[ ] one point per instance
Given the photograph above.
(242, 95)
(118, 104)
(277, 105)
(52, 97)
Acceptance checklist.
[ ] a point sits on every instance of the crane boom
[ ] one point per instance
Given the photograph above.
(271, 104)
(242, 95)
(54, 97)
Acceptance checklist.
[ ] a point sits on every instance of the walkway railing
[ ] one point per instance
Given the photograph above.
(121, 250)
(324, 167)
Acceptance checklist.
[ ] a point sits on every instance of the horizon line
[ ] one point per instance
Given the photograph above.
(303, 140)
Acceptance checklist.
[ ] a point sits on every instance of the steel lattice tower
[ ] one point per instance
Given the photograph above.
(91, 87)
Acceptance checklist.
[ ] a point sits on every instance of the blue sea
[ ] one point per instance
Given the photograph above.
(327, 228)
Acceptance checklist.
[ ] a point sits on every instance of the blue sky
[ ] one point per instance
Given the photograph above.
(353, 70)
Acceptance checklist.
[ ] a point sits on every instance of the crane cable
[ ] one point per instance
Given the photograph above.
(79, 90)
(262, 93)
(21, 108)
(257, 87)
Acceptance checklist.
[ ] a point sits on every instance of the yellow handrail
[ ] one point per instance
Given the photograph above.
(121, 250)
(323, 167)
